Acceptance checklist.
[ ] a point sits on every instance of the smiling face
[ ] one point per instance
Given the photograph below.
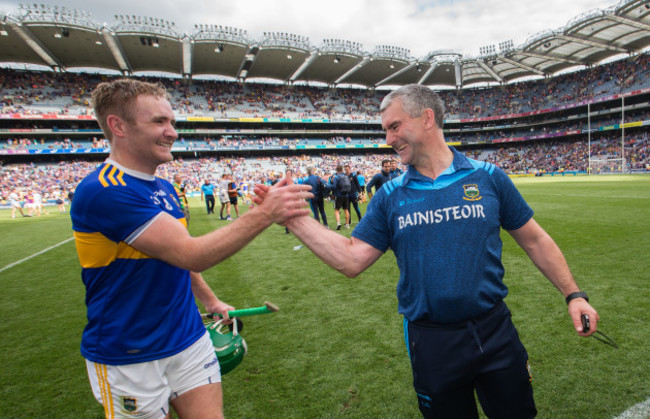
(149, 134)
(405, 134)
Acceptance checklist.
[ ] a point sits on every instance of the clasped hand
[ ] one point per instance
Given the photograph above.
(283, 201)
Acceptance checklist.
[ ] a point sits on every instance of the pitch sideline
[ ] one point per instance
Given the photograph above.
(638, 411)
(11, 265)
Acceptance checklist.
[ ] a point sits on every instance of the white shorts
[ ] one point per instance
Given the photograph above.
(143, 390)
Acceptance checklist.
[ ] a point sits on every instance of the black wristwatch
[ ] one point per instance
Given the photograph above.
(574, 295)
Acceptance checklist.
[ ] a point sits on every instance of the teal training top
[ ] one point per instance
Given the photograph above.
(445, 236)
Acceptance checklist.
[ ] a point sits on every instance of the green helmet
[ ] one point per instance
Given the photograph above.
(229, 346)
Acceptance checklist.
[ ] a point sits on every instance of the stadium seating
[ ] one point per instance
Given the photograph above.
(546, 121)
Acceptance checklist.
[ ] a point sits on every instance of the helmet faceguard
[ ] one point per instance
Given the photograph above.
(229, 346)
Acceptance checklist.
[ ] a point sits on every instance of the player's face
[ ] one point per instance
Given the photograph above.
(403, 133)
(151, 132)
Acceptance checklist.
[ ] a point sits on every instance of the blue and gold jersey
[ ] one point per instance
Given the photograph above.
(445, 234)
(139, 308)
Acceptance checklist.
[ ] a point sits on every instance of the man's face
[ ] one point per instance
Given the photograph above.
(346, 169)
(403, 133)
(385, 167)
(393, 165)
(151, 133)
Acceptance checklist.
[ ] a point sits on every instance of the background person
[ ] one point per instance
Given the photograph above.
(223, 197)
(442, 220)
(207, 191)
(317, 203)
(353, 196)
(145, 344)
(14, 202)
(379, 179)
(362, 187)
(182, 197)
(394, 170)
(233, 196)
(341, 187)
(58, 200)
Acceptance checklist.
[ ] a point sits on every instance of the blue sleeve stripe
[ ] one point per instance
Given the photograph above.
(406, 336)
(488, 167)
(391, 185)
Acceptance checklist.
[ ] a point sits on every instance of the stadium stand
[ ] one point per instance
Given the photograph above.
(49, 138)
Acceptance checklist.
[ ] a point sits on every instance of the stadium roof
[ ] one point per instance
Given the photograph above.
(62, 38)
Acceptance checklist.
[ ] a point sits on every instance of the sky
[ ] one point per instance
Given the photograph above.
(421, 26)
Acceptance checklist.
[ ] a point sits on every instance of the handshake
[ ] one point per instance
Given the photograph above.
(282, 201)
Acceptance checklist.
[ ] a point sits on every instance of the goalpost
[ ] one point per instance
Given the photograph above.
(614, 162)
(606, 166)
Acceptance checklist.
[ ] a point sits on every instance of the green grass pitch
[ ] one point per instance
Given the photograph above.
(335, 348)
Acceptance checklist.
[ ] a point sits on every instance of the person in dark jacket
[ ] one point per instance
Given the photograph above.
(354, 192)
(379, 179)
(317, 203)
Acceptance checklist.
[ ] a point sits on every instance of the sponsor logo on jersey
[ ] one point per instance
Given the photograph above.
(162, 194)
(472, 193)
(441, 215)
(410, 201)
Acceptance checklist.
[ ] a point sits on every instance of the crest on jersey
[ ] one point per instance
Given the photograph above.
(472, 193)
(130, 404)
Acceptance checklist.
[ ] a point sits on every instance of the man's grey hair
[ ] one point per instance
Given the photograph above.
(310, 170)
(415, 99)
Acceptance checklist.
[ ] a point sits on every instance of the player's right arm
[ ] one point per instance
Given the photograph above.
(167, 239)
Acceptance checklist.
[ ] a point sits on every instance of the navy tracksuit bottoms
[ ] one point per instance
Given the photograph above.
(450, 362)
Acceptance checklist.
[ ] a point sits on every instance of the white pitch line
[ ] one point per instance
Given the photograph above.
(638, 411)
(11, 265)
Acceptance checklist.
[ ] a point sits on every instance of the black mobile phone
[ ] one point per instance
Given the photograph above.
(585, 323)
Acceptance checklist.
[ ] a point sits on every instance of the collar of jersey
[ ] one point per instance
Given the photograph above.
(459, 168)
(139, 175)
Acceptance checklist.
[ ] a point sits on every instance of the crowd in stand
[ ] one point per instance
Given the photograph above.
(564, 156)
(40, 92)
(67, 93)
(482, 134)
(55, 181)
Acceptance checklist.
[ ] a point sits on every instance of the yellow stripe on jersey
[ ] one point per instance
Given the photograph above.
(101, 176)
(114, 180)
(119, 178)
(96, 250)
(111, 174)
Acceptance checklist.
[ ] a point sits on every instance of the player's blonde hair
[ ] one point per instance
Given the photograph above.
(117, 97)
